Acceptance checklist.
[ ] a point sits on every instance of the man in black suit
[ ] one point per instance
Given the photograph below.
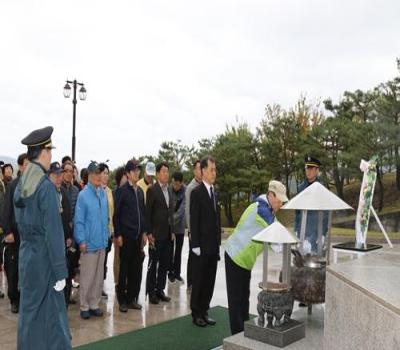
(205, 229)
(159, 218)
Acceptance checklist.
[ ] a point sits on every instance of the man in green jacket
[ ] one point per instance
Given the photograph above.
(241, 252)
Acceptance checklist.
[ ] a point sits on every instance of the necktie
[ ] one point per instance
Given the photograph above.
(212, 197)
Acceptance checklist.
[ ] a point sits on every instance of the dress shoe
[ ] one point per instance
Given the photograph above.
(85, 315)
(14, 308)
(199, 322)
(209, 320)
(135, 306)
(163, 297)
(180, 279)
(171, 277)
(153, 299)
(123, 308)
(302, 305)
(96, 312)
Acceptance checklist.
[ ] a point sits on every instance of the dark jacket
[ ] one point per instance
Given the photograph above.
(72, 193)
(9, 223)
(128, 212)
(205, 221)
(66, 214)
(178, 203)
(3, 187)
(159, 216)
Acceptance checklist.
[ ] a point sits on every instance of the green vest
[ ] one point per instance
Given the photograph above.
(239, 246)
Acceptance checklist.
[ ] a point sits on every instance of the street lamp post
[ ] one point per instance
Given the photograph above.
(82, 97)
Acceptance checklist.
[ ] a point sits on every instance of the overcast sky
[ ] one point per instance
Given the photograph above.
(168, 70)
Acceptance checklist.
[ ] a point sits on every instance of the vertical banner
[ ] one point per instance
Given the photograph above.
(365, 202)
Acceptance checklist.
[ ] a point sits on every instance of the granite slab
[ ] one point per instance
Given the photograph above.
(377, 275)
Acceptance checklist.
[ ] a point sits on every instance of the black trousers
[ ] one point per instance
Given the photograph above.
(2, 244)
(158, 266)
(11, 253)
(176, 255)
(238, 290)
(130, 270)
(203, 281)
(189, 269)
(108, 249)
(70, 256)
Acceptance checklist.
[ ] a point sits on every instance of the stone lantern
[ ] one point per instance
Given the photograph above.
(317, 197)
(309, 273)
(275, 301)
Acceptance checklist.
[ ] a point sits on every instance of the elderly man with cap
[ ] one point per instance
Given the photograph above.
(312, 171)
(148, 178)
(56, 177)
(130, 234)
(43, 322)
(91, 233)
(241, 252)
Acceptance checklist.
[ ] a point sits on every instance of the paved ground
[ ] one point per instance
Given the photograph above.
(114, 322)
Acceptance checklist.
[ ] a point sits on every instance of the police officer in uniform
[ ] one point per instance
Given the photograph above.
(43, 322)
(312, 166)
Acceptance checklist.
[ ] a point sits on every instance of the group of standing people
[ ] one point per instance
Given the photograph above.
(58, 225)
(54, 225)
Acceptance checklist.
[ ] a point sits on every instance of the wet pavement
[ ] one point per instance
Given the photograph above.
(114, 322)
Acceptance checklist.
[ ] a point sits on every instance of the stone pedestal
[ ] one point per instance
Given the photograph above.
(363, 303)
(314, 339)
(280, 336)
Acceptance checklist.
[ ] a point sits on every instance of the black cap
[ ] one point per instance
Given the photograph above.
(93, 167)
(55, 168)
(132, 164)
(39, 138)
(312, 162)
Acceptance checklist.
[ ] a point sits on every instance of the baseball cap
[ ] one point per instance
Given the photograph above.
(150, 169)
(55, 168)
(93, 167)
(132, 164)
(279, 189)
